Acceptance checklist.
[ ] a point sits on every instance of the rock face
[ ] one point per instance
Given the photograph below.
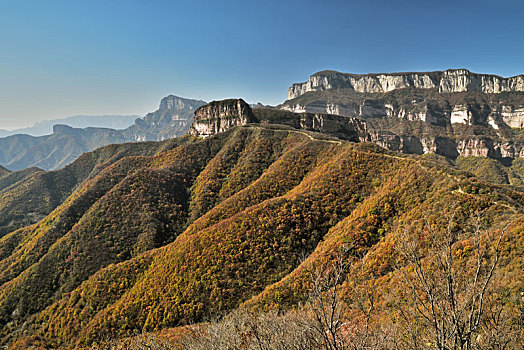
(495, 113)
(352, 129)
(450, 113)
(453, 80)
(513, 117)
(220, 116)
(173, 118)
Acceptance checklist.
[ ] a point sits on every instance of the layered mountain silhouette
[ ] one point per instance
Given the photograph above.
(78, 121)
(65, 144)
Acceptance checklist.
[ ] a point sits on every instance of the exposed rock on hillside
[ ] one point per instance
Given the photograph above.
(220, 116)
(346, 128)
(173, 118)
(452, 80)
(450, 113)
(407, 136)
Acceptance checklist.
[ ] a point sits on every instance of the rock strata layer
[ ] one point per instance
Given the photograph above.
(220, 116)
(416, 134)
(452, 80)
(451, 113)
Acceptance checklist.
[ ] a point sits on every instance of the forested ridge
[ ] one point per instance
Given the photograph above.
(147, 237)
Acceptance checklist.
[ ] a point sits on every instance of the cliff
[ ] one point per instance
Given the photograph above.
(220, 116)
(345, 128)
(452, 80)
(390, 126)
(172, 119)
(452, 113)
(497, 111)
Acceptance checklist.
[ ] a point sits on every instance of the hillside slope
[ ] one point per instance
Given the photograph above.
(26, 196)
(202, 228)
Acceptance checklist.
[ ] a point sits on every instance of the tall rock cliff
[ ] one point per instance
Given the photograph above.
(173, 118)
(220, 116)
(451, 113)
(416, 136)
(452, 80)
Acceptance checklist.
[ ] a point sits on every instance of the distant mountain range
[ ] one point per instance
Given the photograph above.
(45, 127)
(65, 144)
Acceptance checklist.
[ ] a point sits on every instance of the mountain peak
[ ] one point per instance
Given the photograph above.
(172, 101)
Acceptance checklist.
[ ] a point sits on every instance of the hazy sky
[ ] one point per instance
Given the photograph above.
(61, 58)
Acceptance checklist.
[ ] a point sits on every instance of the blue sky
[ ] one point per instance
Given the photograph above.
(61, 58)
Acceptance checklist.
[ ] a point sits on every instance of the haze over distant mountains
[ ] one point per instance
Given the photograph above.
(45, 127)
(65, 144)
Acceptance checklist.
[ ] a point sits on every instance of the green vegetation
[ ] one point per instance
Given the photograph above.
(494, 171)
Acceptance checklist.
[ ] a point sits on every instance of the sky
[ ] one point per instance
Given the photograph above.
(91, 57)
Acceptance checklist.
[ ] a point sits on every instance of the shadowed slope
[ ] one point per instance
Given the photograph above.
(26, 196)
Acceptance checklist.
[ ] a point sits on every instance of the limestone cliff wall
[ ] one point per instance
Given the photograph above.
(496, 115)
(453, 80)
(450, 147)
(220, 116)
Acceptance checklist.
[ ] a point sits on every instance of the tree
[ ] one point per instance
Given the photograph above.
(446, 274)
(327, 309)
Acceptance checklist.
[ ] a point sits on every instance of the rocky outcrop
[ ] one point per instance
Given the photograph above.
(220, 116)
(449, 147)
(400, 143)
(173, 118)
(436, 114)
(451, 113)
(346, 128)
(352, 129)
(487, 147)
(513, 117)
(453, 80)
